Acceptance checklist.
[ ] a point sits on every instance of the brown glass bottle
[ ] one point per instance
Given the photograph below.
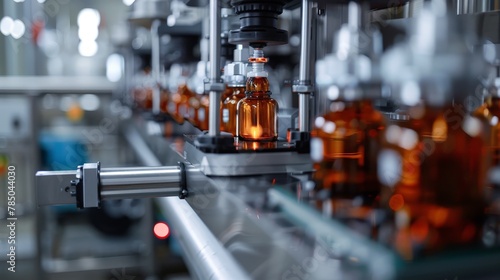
(180, 103)
(202, 112)
(142, 93)
(433, 169)
(229, 109)
(194, 105)
(490, 112)
(164, 99)
(257, 112)
(225, 94)
(344, 148)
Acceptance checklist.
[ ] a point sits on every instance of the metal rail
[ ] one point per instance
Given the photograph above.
(204, 255)
(305, 88)
(214, 95)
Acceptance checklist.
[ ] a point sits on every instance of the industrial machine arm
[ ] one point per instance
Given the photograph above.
(89, 184)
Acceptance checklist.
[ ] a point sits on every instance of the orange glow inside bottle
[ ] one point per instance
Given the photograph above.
(257, 112)
(433, 169)
(229, 109)
(257, 145)
(164, 99)
(344, 147)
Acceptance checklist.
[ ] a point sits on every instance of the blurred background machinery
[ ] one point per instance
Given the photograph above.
(251, 139)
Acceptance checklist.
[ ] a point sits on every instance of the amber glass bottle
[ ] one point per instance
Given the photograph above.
(229, 108)
(192, 114)
(180, 103)
(202, 112)
(433, 169)
(142, 92)
(225, 94)
(257, 112)
(490, 112)
(164, 99)
(344, 148)
(144, 98)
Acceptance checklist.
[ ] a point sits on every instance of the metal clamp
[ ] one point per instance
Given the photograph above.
(87, 185)
(183, 193)
(302, 87)
(214, 86)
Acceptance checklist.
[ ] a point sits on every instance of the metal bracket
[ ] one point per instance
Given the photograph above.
(210, 86)
(183, 183)
(302, 87)
(90, 190)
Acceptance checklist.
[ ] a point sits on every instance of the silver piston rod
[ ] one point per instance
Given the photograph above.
(89, 185)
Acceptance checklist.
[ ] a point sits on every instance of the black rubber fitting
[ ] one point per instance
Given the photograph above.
(302, 141)
(215, 144)
(258, 23)
(183, 193)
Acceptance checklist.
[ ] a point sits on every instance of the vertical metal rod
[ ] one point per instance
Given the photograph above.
(472, 7)
(406, 12)
(205, 36)
(305, 69)
(155, 64)
(214, 97)
(484, 7)
(304, 112)
(460, 7)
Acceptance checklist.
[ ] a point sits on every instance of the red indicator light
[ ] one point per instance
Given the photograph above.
(161, 230)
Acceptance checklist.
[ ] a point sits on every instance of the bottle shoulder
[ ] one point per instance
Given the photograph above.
(259, 99)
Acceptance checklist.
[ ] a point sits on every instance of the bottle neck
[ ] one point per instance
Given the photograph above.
(238, 90)
(257, 84)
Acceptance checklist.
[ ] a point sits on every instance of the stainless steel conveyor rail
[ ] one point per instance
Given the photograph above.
(204, 255)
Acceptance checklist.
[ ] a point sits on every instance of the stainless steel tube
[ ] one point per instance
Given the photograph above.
(139, 182)
(214, 120)
(305, 66)
(205, 256)
(304, 108)
(214, 98)
(305, 46)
